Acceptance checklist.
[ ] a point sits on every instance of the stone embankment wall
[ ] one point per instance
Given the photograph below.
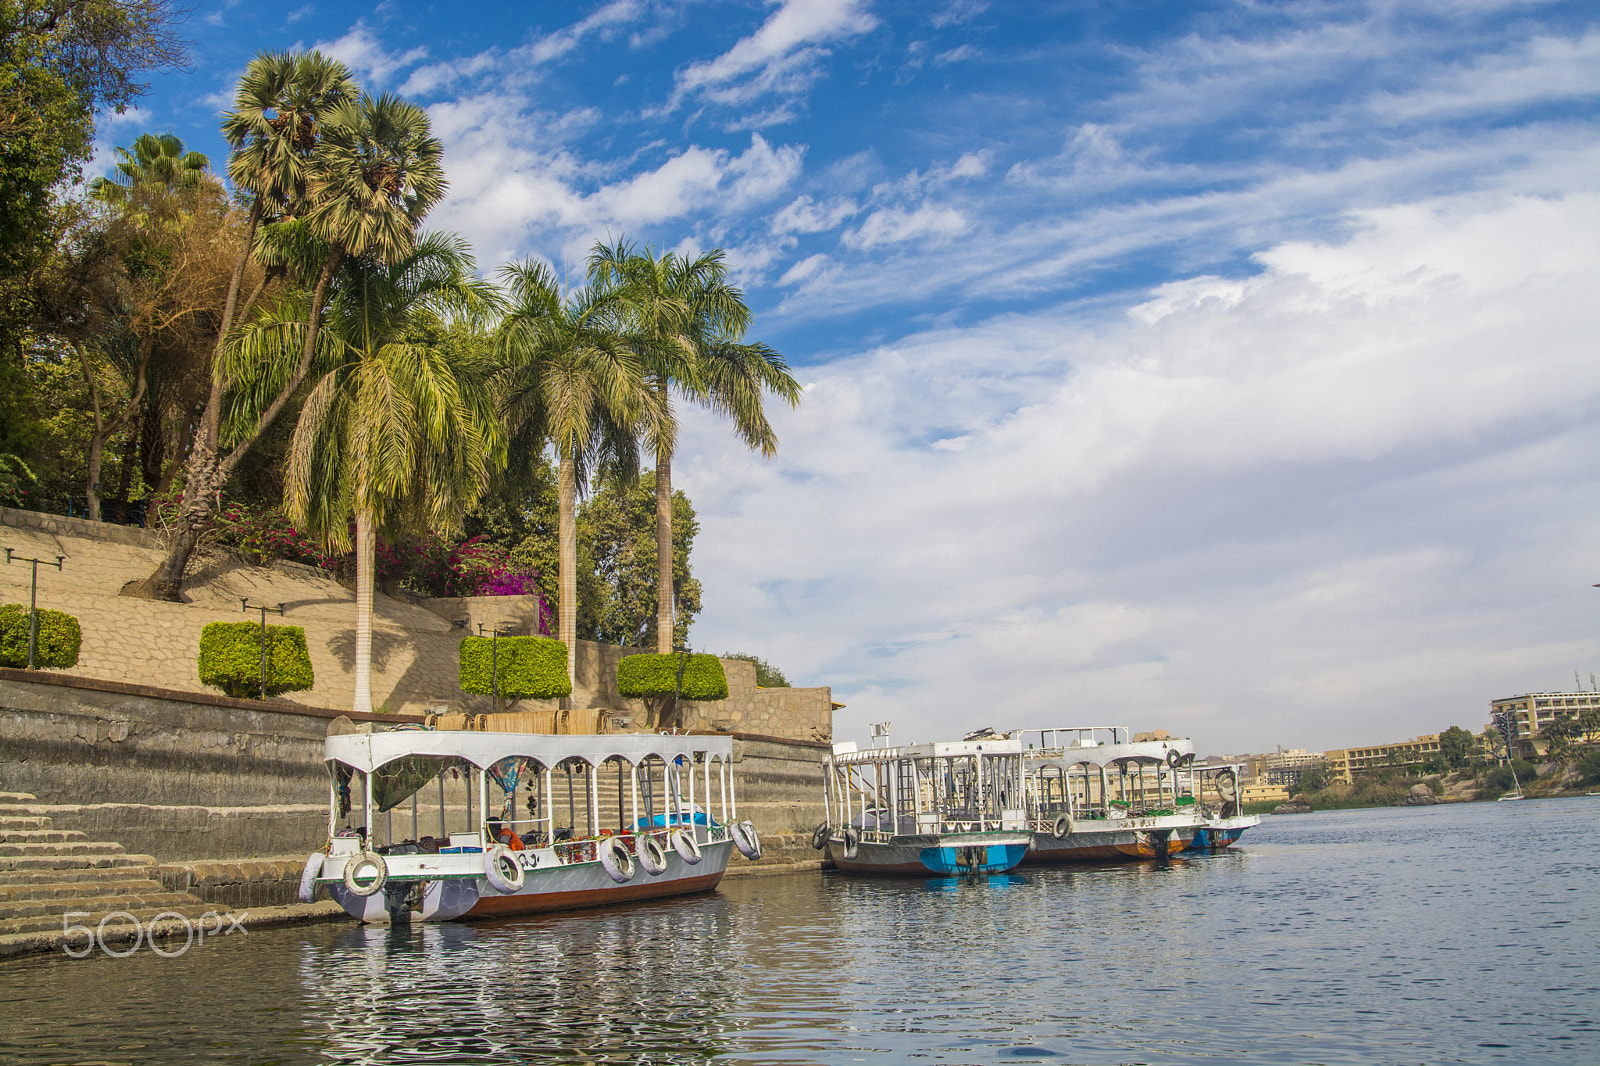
(415, 641)
(232, 794)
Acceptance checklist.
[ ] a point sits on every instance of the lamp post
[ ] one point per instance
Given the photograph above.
(33, 599)
(244, 605)
(496, 631)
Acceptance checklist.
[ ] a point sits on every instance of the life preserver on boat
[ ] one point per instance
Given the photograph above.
(687, 847)
(1225, 776)
(747, 840)
(651, 857)
(380, 873)
(308, 876)
(1174, 758)
(852, 842)
(615, 859)
(819, 836)
(502, 870)
(1063, 827)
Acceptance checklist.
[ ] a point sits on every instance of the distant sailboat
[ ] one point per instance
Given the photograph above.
(1515, 793)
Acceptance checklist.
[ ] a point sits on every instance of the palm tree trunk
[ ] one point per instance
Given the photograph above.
(664, 595)
(366, 554)
(567, 553)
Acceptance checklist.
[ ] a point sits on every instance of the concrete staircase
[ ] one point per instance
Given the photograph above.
(46, 873)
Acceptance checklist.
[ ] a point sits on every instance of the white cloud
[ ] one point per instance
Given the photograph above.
(1309, 506)
(780, 57)
(361, 50)
(805, 215)
(893, 225)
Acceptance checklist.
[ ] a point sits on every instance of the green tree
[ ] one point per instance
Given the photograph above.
(152, 161)
(568, 379)
(617, 563)
(285, 107)
(1559, 734)
(1313, 779)
(687, 324)
(398, 432)
(1457, 747)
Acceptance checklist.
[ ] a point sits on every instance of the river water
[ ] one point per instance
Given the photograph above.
(1466, 933)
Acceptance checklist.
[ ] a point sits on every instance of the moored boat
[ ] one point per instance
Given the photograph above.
(1223, 824)
(567, 852)
(925, 809)
(1094, 795)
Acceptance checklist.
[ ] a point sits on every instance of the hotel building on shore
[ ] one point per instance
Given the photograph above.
(1345, 763)
(1532, 711)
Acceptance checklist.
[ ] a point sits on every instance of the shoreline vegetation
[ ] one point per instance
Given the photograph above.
(1575, 774)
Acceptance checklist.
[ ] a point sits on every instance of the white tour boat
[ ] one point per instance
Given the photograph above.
(1224, 823)
(607, 819)
(925, 809)
(1096, 796)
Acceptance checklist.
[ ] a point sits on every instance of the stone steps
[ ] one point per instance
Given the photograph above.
(13, 822)
(16, 797)
(69, 890)
(150, 896)
(47, 875)
(61, 847)
(40, 836)
(58, 922)
(56, 861)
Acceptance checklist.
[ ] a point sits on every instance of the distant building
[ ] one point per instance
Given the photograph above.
(1532, 711)
(1345, 763)
(1263, 794)
(1284, 768)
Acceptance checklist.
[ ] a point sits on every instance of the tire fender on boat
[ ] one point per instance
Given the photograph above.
(308, 876)
(852, 842)
(1174, 758)
(380, 870)
(819, 836)
(1063, 827)
(502, 870)
(650, 854)
(747, 840)
(615, 859)
(687, 847)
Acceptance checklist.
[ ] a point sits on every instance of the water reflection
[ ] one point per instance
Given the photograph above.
(1467, 934)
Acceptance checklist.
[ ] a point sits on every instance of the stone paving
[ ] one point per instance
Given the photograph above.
(151, 643)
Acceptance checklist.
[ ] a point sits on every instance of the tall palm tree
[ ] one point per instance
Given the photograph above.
(688, 323)
(569, 379)
(154, 160)
(397, 432)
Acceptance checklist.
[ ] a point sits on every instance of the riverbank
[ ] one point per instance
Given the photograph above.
(1577, 774)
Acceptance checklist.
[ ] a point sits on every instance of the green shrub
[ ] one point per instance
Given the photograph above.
(1588, 766)
(59, 638)
(230, 659)
(529, 667)
(650, 676)
(767, 675)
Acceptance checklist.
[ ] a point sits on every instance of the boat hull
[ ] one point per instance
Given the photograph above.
(935, 856)
(1109, 842)
(1222, 832)
(547, 886)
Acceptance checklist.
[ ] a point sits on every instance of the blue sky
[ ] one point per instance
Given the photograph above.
(1226, 368)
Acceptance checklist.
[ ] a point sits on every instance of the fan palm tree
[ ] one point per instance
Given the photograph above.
(688, 322)
(153, 161)
(570, 379)
(397, 432)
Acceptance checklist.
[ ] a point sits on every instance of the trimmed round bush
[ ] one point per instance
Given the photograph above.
(59, 638)
(531, 668)
(653, 676)
(230, 659)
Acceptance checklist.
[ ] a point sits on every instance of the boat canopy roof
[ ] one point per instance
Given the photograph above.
(367, 752)
(1143, 752)
(937, 750)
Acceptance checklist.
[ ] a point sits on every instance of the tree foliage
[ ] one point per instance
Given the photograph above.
(767, 675)
(1457, 747)
(230, 659)
(617, 600)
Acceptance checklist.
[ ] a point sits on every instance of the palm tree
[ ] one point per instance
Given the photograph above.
(355, 177)
(153, 161)
(570, 379)
(397, 432)
(688, 323)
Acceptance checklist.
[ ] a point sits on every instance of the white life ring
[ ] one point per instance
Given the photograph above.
(651, 856)
(308, 876)
(852, 841)
(616, 859)
(1174, 758)
(380, 870)
(502, 870)
(747, 840)
(687, 847)
(1063, 827)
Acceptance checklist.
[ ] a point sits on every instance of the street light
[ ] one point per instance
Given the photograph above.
(496, 631)
(33, 599)
(244, 605)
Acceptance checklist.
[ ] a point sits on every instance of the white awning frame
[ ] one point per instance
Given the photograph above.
(366, 752)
